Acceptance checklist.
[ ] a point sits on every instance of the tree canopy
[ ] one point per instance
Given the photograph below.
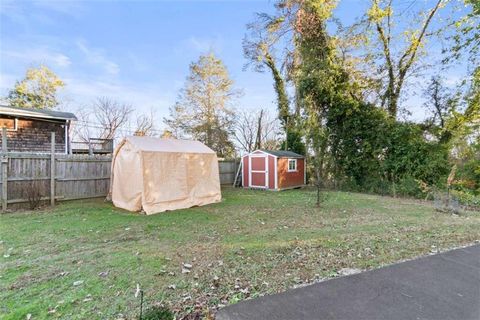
(37, 90)
(204, 109)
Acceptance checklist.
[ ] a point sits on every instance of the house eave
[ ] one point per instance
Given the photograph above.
(37, 114)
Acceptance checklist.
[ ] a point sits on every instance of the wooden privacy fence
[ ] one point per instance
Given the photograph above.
(57, 177)
(227, 170)
(51, 176)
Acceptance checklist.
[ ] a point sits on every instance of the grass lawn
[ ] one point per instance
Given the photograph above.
(84, 259)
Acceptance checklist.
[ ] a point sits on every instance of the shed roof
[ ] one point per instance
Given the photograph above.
(153, 144)
(283, 154)
(36, 113)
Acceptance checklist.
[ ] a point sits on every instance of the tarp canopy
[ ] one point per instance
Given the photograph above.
(156, 174)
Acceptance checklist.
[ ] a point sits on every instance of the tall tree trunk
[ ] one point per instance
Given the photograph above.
(393, 105)
(319, 161)
(258, 140)
(282, 97)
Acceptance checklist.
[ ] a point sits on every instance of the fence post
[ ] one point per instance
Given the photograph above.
(4, 169)
(52, 171)
(90, 148)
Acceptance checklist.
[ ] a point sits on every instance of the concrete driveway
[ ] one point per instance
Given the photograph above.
(441, 286)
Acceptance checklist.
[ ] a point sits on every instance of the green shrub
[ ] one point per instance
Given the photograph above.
(466, 198)
(467, 178)
(376, 185)
(373, 153)
(409, 187)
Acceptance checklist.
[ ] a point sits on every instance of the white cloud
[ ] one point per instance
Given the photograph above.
(97, 57)
(12, 11)
(81, 92)
(70, 7)
(203, 45)
(84, 90)
(23, 13)
(39, 55)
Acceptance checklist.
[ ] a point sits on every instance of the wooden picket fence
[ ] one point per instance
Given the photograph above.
(58, 177)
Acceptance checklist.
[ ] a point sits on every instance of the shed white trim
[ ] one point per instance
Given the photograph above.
(266, 153)
(249, 171)
(276, 172)
(265, 172)
(288, 165)
(305, 170)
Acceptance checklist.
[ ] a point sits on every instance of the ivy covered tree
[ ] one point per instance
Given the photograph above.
(259, 47)
(38, 90)
(323, 85)
(204, 109)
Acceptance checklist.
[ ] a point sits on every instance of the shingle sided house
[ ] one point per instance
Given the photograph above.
(29, 130)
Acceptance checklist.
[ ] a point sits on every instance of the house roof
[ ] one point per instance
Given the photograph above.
(152, 144)
(36, 113)
(283, 154)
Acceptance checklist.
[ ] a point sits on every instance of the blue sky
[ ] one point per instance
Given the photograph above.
(135, 51)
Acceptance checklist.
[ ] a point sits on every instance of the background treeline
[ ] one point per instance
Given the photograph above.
(349, 87)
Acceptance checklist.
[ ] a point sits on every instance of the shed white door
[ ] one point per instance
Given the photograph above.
(258, 171)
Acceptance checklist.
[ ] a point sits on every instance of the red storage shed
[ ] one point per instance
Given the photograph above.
(273, 170)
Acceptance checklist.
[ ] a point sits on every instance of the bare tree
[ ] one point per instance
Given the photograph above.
(145, 124)
(103, 119)
(82, 129)
(111, 115)
(256, 130)
(439, 102)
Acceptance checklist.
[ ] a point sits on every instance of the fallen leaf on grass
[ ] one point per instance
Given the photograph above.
(103, 274)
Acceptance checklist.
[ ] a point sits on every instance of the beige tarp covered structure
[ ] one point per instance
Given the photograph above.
(156, 174)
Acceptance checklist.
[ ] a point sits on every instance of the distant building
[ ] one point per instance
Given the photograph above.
(29, 130)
